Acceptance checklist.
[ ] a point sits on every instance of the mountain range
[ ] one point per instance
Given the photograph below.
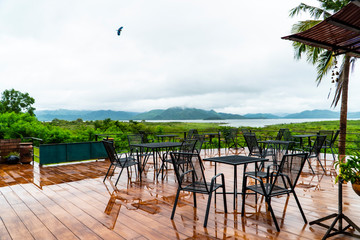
(176, 113)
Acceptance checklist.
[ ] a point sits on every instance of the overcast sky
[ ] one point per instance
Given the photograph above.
(222, 55)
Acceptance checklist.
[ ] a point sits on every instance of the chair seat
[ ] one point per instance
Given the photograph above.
(259, 174)
(200, 187)
(127, 162)
(277, 190)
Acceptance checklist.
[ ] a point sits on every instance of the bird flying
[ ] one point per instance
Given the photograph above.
(119, 31)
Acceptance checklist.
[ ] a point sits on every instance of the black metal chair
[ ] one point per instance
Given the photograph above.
(314, 151)
(117, 161)
(282, 181)
(188, 145)
(257, 151)
(140, 153)
(329, 141)
(191, 178)
(231, 141)
(192, 133)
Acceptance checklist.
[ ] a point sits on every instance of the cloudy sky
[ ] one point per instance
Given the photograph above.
(222, 55)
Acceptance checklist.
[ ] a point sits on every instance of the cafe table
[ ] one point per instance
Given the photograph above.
(277, 145)
(236, 160)
(156, 148)
(302, 136)
(165, 136)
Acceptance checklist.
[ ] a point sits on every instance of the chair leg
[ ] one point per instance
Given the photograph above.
(108, 171)
(243, 197)
(207, 209)
(195, 205)
(224, 195)
(300, 208)
(117, 180)
(272, 214)
(318, 159)
(310, 165)
(175, 203)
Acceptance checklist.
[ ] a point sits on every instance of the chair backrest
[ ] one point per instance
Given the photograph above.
(230, 136)
(287, 135)
(134, 139)
(335, 137)
(192, 133)
(188, 145)
(252, 144)
(184, 162)
(199, 143)
(280, 133)
(144, 136)
(245, 131)
(317, 145)
(289, 170)
(111, 152)
(329, 135)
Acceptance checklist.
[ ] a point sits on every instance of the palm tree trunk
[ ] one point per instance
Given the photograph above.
(343, 111)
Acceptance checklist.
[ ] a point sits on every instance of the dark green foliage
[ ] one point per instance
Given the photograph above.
(15, 101)
(349, 170)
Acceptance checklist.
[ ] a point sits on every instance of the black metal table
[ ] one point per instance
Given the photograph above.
(277, 146)
(235, 160)
(156, 148)
(164, 136)
(211, 137)
(301, 136)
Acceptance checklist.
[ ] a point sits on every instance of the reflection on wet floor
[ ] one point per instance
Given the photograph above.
(75, 193)
(11, 174)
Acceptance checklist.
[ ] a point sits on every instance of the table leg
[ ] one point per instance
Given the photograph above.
(235, 186)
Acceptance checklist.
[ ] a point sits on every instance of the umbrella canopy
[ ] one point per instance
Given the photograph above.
(339, 33)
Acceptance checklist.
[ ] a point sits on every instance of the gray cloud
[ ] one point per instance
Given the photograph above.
(226, 56)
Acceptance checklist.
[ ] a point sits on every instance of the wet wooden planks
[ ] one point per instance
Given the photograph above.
(72, 202)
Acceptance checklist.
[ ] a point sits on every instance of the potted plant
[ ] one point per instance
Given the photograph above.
(349, 171)
(12, 157)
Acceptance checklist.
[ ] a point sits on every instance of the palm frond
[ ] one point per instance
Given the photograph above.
(303, 25)
(315, 12)
(332, 5)
(324, 65)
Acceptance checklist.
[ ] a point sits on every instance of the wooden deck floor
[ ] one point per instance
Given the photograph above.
(72, 202)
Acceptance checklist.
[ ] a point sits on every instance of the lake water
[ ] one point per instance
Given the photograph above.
(253, 122)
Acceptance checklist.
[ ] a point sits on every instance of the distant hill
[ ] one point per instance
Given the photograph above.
(177, 113)
(70, 115)
(261, 116)
(314, 114)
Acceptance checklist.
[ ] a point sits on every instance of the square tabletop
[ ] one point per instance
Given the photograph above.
(155, 145)
(235, 159)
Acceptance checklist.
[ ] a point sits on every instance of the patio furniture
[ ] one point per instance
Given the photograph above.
(154, 149)
(332, 230)
(257, 151)
(236, 160)
(117, 161)
(163, 137)
(134, 139)
(188, 145)
(230, 140)
(314, 151)
(193, 180)
(282, 181)
(330, 141)
(192, 133)
(301, 137)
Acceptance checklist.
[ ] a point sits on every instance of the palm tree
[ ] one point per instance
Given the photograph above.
(325, 60)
